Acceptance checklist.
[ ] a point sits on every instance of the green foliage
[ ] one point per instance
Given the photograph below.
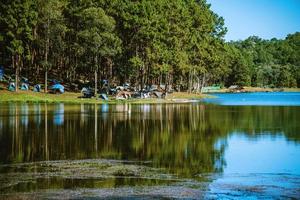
(144, 42)
(15, 27)
(269, 63)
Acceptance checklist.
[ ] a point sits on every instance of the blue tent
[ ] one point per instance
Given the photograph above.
(24, 86)
(87, 92)
(1, 72)
(103, 96)
(37, 88)
(57, 88)
(12, 86)
(105, 82)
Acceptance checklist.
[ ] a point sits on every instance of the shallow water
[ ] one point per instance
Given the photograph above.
(192, 150)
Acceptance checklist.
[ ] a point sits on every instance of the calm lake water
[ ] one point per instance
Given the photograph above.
(196, 150)
(257, 98)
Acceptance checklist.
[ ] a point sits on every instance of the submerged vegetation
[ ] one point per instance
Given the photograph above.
(179, 43)
(92, 173)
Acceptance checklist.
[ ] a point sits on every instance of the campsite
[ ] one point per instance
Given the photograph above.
(149, 99)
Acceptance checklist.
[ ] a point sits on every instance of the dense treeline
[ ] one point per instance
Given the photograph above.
(179, 43)
(266, 63)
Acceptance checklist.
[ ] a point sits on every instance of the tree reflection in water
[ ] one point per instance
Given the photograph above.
(185, 139)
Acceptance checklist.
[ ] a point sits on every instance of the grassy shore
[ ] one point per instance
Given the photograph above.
(71, 97)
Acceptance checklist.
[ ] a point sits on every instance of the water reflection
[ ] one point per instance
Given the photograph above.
(24, 114)
(186, 139)
(37, 113)
(45, 146)
(269, 154)
(58, 117)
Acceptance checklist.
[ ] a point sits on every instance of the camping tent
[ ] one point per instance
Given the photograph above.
(57, 88)
(1, 72)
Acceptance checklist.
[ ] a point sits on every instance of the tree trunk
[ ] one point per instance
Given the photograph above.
(16, 65)
(203, 82)
(46, 81)
(190, 82)
(142, 78)
(96, 75)
(193, 81)
(160, 79)
(198, 88)
(46, 56)
(166, 83)
(96, 83)
(180, 84)
(46, 73)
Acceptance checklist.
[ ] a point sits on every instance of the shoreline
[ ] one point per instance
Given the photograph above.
(74, 98)
(254, 89)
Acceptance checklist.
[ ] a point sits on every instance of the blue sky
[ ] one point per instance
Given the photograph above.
(264, 18)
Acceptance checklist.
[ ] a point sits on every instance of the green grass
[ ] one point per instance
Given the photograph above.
(28, 96)
(68, 97)
(292, 89)
(185, 95)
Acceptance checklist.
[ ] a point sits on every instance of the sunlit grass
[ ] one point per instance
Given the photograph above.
(185, 95)
(70, 97)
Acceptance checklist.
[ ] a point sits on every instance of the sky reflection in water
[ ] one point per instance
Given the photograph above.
(257, 99)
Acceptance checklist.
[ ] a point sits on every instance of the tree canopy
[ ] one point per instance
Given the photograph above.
(179, 43)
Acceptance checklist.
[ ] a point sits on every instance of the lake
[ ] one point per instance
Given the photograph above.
(236, 146)
(257, 99)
